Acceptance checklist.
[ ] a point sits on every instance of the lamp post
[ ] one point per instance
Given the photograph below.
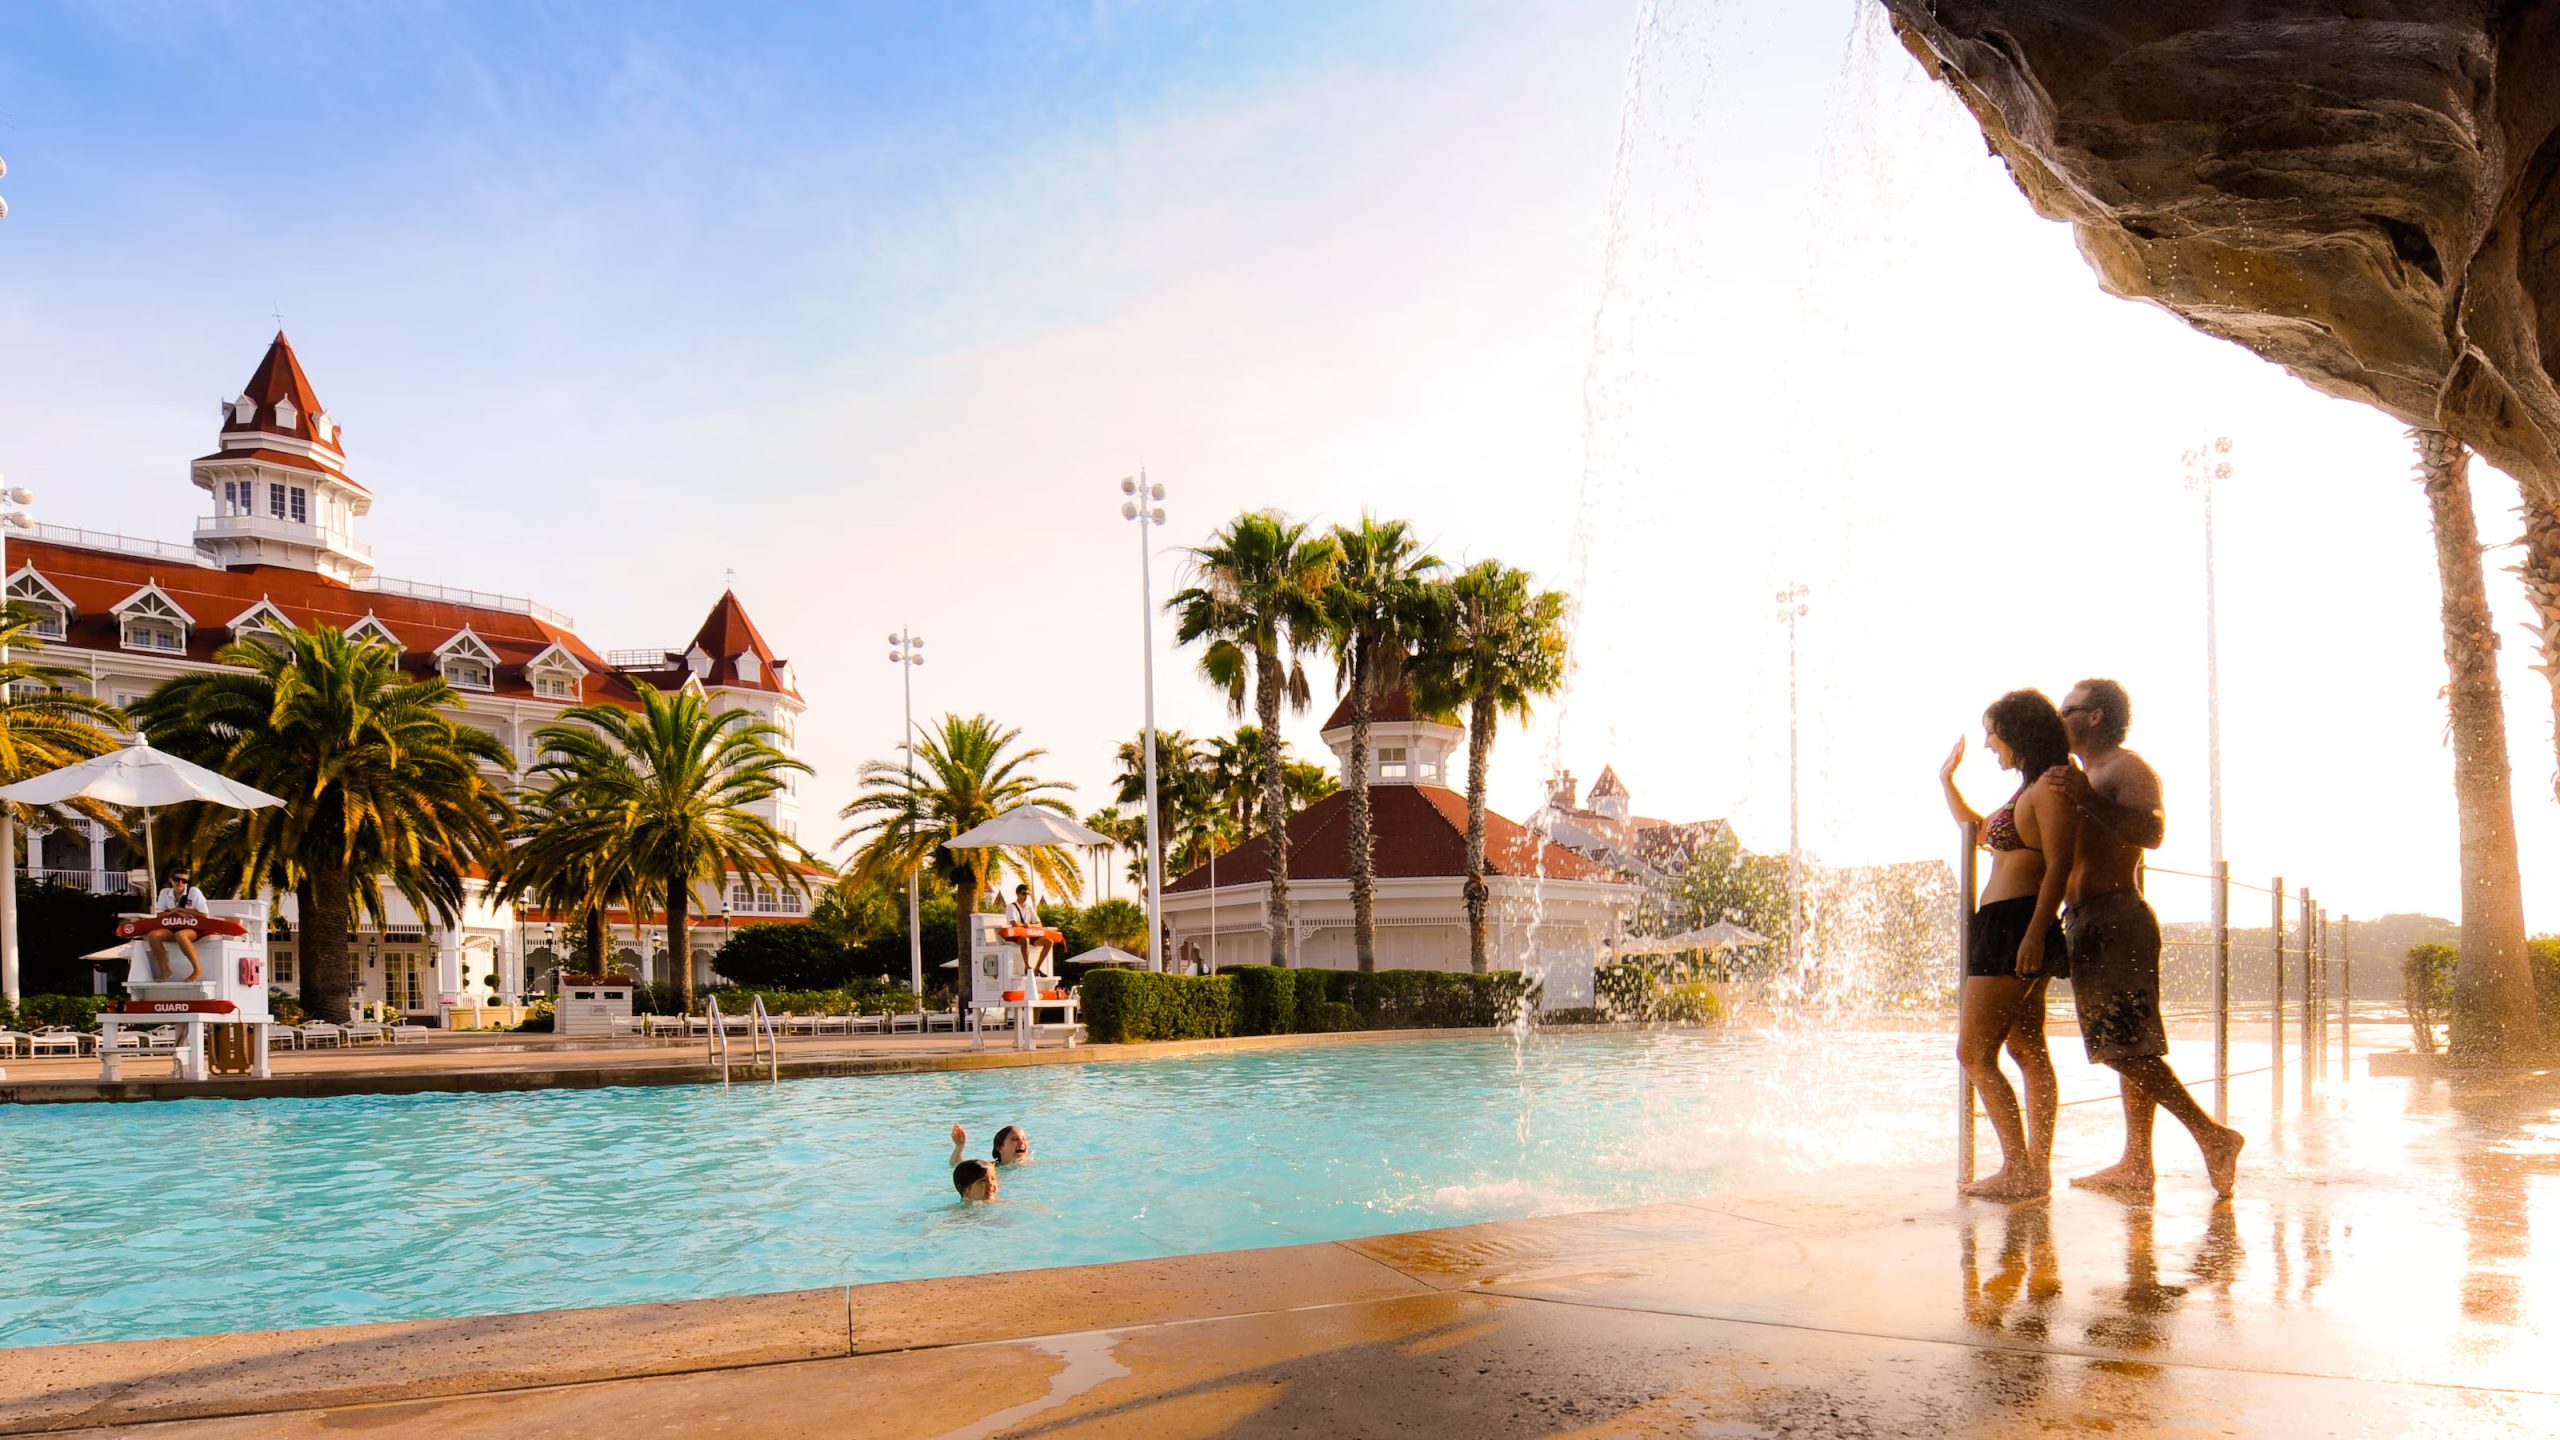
(2206, 464)
(906, 651)
(1791, 608)
(12, 518)
(1140, 506)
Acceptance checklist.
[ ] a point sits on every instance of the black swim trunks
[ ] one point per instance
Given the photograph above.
(1994, 934)
(2115, 976)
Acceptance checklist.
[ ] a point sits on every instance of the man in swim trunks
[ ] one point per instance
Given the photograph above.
(2114, 939)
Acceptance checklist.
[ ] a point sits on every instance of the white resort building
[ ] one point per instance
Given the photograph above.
(279, 547)
(1551, 908)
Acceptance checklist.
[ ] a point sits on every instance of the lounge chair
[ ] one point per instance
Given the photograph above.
(798, 1024)
(941, 1020)
(11, 1041)
(316, 1033)
(55, 1039)
(907, 1020)
(160, 1041)
(631, 1025)
(365, 1030)
(282, 1037)
(698, 1025)
(407, 1035)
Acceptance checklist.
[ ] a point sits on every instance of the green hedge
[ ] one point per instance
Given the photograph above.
(1635, 990)
(80, 1012)
(1125, 1005)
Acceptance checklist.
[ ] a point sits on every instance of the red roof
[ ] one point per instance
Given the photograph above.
(1416, 832)
(279, 377)
(726, 634)
(1396, 706)
(97, 580)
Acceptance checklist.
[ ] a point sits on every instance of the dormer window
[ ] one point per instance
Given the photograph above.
(373, 631)
(1392, 764)
(749, 669)
(554, 674)
(262, 621)
(467, 662)
(243, 410)
(51, 608)
(286, 414)
(697, 662)
(150, 621)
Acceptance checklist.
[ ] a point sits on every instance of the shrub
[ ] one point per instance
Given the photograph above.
(537, 1017)
(1435, 999)
(783, 957)
(80, 1012)
(2543, 951)
(1125, 1005)
(2426, 991)
(1634, 990)
(1267, 997)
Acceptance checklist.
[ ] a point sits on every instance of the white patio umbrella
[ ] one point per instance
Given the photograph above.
(1725, 935)
(138, 777)
(1107, 955)
(1026, 825)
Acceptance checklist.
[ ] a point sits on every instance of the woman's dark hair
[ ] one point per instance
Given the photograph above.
(2027, 722)
(1013, 1130)
(970, 1172)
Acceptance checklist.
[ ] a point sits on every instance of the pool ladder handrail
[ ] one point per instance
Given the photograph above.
(719, 1041)
(764, 1043)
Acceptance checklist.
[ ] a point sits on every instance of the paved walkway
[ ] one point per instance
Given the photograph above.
(2378, 1274)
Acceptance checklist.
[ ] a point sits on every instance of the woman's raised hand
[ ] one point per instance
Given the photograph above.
(1955, 758)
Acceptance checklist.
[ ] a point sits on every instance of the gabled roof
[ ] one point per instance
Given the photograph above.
(27, 577)
(556, 656)
(1608, 784)
(264, 612)
(725, 635)
(1417, 832)
(464, 642)
(151, 591)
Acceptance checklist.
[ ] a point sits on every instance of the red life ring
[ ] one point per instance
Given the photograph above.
(142, 925)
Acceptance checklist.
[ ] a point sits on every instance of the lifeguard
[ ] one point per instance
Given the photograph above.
(181, 908)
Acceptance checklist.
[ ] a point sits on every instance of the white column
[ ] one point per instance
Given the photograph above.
(448, 970)
(97, 857)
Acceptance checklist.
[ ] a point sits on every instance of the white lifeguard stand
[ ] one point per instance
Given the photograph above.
(998, 986)
(231, 992)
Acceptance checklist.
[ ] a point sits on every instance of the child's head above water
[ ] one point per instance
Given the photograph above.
(1012, 1146)
(974, 1179)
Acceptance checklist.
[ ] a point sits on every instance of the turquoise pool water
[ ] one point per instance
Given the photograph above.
(127, 1221)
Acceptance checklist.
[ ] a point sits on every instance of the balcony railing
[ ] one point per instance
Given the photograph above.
(122, 544)
(111, 882)
(641, 659)
(268, 527)
(479, 599)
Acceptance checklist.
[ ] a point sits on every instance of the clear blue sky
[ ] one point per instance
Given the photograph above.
(876, 305)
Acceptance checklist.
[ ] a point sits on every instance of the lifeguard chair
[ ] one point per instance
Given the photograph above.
(999, 986)
(221, 1015)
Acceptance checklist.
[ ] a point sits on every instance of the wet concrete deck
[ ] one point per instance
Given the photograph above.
(2377, 1274)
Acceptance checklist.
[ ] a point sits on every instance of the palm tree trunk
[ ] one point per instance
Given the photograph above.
(1479, 894)
(2541, 571)
(1364, 878)
(597, 961)
(1275, 818)
(2494, 1013)
(328, 959)
(679, 947)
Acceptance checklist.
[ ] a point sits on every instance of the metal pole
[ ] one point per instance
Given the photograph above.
(1791, 608)
(1141, 508)
(2310, 998)
(2204, 466)
(1964, 954)
(2222, 992)
(905, 656)
(2275, 1001)
(2346, 997)
(9, 827)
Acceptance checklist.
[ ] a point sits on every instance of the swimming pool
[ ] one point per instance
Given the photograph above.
(199, 1216)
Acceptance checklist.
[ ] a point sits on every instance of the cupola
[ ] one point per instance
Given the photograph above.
(280, 488)
(1404, 748)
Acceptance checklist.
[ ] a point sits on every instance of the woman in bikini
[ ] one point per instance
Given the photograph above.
(2016, 946)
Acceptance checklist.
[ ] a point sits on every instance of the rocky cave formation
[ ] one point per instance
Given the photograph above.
(2366, 192)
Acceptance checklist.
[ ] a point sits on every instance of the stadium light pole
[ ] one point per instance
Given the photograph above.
(1791, 608)
(906, 651)
(1140, 505)
(2206, 464)
(11, 518)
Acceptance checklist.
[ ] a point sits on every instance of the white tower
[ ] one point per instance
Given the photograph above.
(281, 494)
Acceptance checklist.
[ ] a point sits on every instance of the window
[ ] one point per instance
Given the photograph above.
(301, 504)
(555, 685)
(1392, 764)
(51, 619)
(283, 966)
(464, 672)
(1430, 769)
(275, 500)
(142, 632)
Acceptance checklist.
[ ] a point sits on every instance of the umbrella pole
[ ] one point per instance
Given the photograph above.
(150, 857)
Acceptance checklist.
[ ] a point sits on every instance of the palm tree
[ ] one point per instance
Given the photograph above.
(44, 725)
(1182, 798)
(565, 860)
(1128, 832)
(1379, 603)
(964, 777)
(668, 792)
(2494, 1011)
(1256, 603)
(378, 785)
(1500, 645)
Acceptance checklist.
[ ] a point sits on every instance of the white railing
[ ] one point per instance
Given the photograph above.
(96, 882)
(270, 527)
(457, 595)
(719, 1042)
(764, 1042)
(640, 659)
(123, 544)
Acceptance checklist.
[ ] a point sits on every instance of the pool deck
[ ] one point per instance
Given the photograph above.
(2377, 1274)
(469, 1061)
